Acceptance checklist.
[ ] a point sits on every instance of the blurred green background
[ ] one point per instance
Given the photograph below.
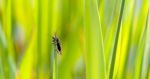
(100, 39)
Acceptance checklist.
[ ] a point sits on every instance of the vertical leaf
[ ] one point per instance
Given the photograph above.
(93, 41)
(116, 41)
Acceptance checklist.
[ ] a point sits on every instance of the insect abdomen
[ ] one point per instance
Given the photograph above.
(58, 47)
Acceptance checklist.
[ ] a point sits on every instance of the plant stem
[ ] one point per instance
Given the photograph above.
(54, 63)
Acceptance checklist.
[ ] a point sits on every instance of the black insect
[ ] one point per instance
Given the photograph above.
(56, 42)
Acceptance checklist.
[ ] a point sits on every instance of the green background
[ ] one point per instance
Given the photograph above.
(100, 39)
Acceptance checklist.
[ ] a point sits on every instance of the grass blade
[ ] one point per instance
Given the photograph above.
(55, 66)
(116, 41)
(94, 42)
(141, 52)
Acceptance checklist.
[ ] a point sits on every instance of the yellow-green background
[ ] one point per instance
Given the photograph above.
(87, 30)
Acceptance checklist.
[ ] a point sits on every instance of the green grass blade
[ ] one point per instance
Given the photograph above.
(9, 52)
(26, 67)
(141, 52)
(102, 44)
(145, 64)
(38, 36)
(125, 69)
(55, 67)
(94, 45)
(116, 41)
(2, 38)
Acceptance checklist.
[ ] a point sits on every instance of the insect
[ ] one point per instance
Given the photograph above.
(57, 44)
